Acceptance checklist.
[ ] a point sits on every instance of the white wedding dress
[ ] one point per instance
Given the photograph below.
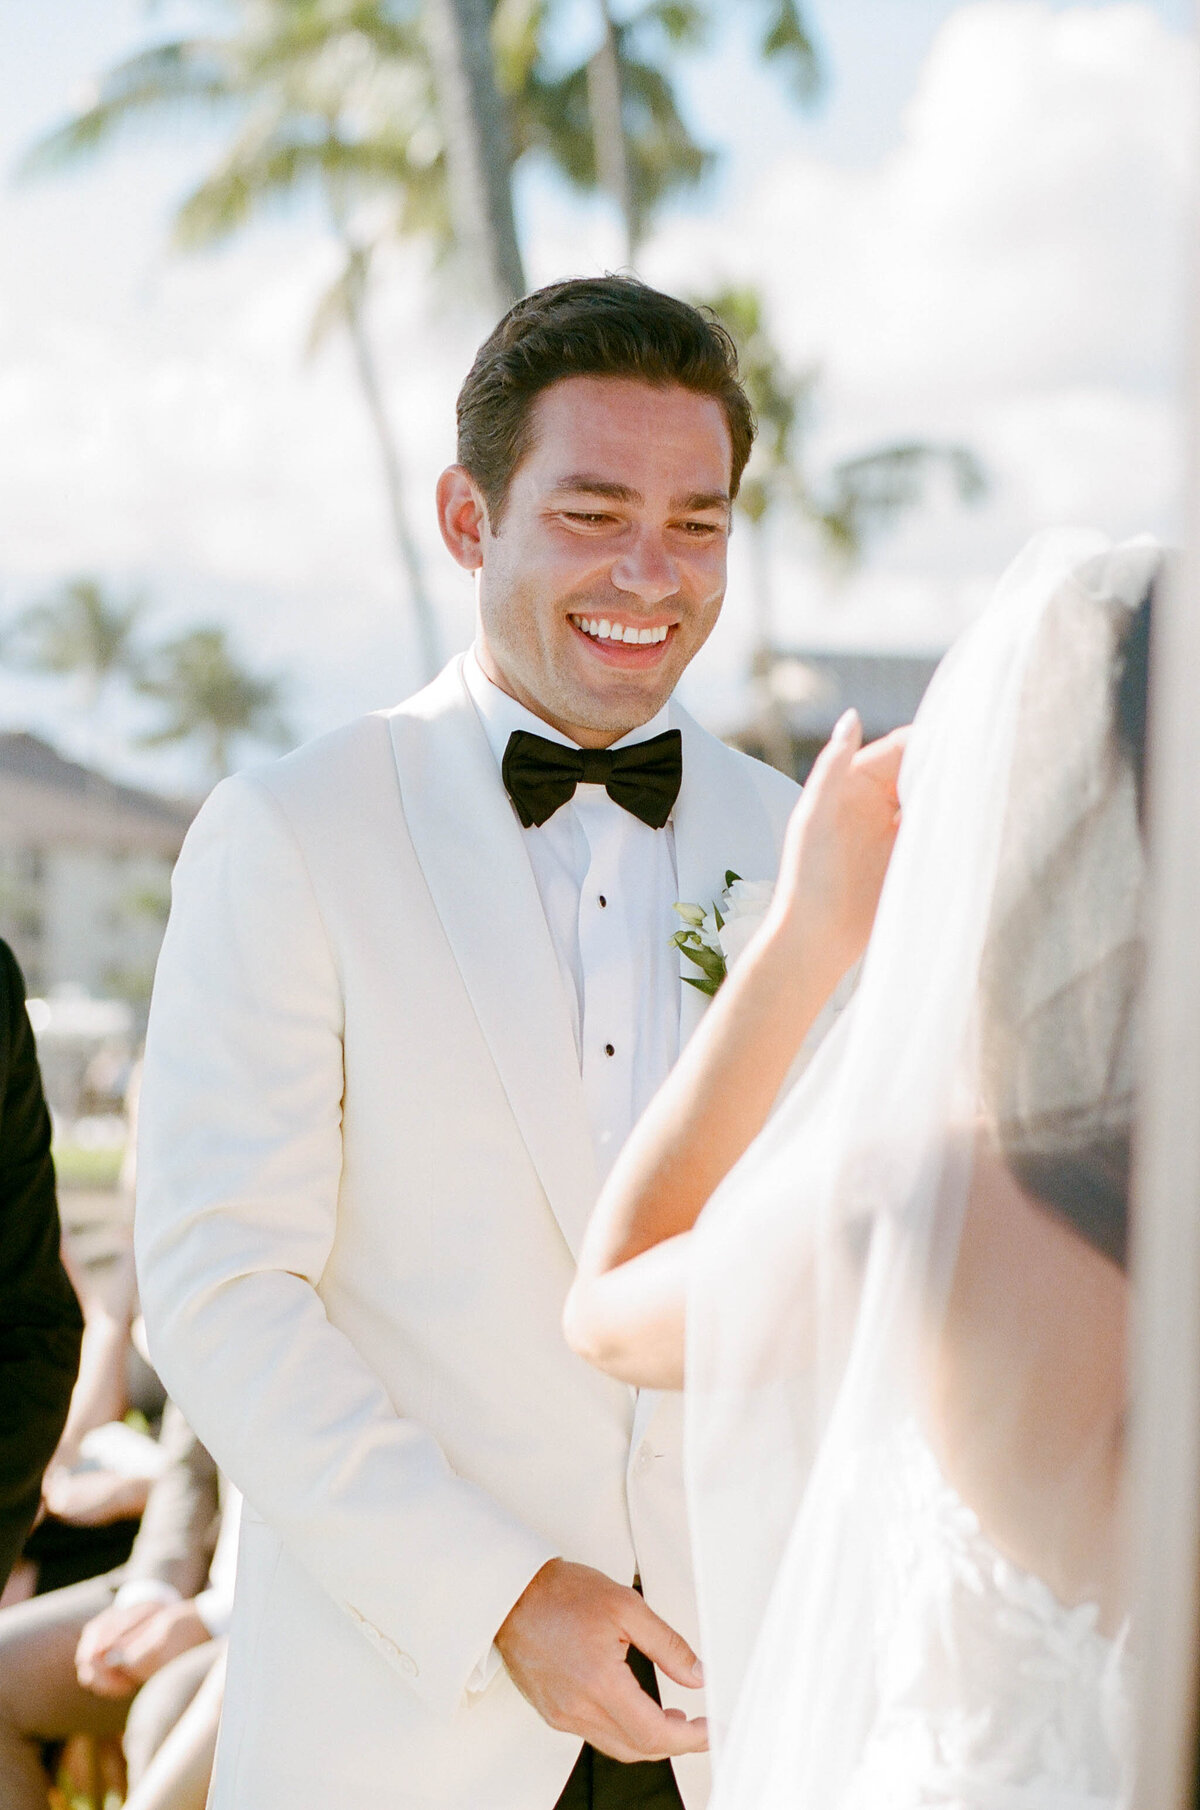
(991, 1694)
(917, 1273)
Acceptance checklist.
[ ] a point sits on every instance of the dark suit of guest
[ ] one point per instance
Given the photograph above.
(40, 1322)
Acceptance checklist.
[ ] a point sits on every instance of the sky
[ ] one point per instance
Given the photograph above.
(977, 236)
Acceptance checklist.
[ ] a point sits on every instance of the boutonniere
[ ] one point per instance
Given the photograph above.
(714, 939)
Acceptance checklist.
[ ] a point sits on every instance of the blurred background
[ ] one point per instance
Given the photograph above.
(248, 247)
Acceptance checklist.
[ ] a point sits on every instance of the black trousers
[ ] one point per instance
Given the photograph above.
(599, 1783)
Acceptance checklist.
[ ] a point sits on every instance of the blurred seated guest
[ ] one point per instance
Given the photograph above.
(130, 1650)
(97, 1482)
(40, 1322)
(177, 1777)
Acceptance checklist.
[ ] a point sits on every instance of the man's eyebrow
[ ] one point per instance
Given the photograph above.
(588, 484)
(591, 485)
(705, 499)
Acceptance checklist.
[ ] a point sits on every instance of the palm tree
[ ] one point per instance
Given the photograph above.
(332, 98)
(614, 121)
(847, 506)
(82, 632)
(859, 497)
(478, 144)
(209, 698)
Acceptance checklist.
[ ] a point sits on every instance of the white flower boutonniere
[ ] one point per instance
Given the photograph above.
(714, 939)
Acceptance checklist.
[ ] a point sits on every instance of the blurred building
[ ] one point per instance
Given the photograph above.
(85, 867)
(797, 696)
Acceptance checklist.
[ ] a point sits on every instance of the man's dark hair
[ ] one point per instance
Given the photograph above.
(612, 326)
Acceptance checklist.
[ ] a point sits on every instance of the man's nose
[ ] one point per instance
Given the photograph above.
(646, 570)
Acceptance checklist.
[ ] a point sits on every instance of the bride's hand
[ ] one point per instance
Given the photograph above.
(837, 849)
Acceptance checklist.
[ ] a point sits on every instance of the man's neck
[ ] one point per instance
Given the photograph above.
(576, 732)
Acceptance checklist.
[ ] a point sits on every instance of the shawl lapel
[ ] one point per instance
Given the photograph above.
(473, 857)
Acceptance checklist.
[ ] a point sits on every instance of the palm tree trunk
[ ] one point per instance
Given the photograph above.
(772, 724)
(478, 147)
(406, 547)
(605, 104)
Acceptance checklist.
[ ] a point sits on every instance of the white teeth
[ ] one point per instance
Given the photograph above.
(603, 630)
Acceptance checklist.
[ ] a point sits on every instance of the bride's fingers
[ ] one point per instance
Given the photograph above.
(829, 769)
(880, 760)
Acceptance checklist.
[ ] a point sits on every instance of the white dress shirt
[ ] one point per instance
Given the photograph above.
(607, 883)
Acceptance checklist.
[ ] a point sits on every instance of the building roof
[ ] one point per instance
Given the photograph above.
(49, 802)
(816, 686)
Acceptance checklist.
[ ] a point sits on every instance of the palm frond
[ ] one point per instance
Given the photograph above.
(685, 24)
(518, 33)
(208, 696)
(868, 492)
(266, 173)
(186, 71)
(553, 115)
(787, 40)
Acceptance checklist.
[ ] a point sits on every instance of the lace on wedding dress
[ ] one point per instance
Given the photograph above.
(992, 1694)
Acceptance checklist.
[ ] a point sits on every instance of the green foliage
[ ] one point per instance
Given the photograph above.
(209, 698)
(553, 109)
(864, 495)
(332, 97)
(84, 1166)
(77, 630)
(787, 40)
(859, 497)
(337, 97)
(710, 962)
(206, 694)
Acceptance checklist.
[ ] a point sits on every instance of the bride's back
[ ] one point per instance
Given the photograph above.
(1029, 1388)
(910, 1341)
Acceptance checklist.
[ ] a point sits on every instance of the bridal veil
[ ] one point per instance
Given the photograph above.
(907, 1307)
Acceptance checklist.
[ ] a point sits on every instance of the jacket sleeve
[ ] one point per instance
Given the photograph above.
(40, 1322)
(239, 1166)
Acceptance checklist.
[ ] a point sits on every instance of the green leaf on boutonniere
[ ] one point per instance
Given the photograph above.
(693, 942)
(710, 987)
(710, 962)
(731, 878)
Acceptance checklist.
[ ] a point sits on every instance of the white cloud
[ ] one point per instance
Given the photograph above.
(1009, 273)
(1012, 272)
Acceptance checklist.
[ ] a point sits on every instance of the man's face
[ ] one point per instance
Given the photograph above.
(607, 572)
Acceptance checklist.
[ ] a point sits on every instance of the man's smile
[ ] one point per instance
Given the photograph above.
(631, 646)
(601, 628)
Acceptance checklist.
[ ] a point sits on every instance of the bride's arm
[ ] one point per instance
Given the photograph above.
(625, 1312)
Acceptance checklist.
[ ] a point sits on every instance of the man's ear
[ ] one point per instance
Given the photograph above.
(462, 517)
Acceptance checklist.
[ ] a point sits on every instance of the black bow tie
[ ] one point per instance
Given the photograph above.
(541, 775)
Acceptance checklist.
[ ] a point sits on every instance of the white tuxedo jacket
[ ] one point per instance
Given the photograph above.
(364, 1166)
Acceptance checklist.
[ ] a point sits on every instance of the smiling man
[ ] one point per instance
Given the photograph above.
(417, 986)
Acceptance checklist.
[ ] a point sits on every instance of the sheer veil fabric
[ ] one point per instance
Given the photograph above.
(907, 1305)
